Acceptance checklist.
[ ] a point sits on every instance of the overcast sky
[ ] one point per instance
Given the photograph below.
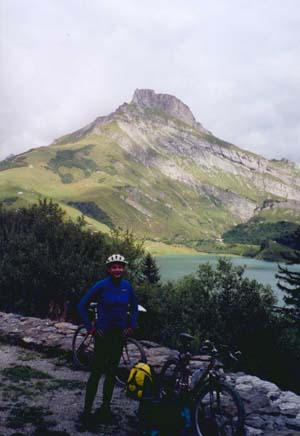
(235, 63)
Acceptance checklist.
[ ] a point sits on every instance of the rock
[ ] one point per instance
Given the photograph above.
(262, 384)
(65, 325)
(53, 336)
(255, 400)
(280, 422)
(243, 387)
(289, 396)
(289, 409)
(269, 426)
(147, 98)
(250, 431)
(149, 344)
(64, 344)
(293, 424)
(29, 340)
(280, 432)
(256, 422)
(269, 411)
(245, 379)
(49, 329)
(274, 395)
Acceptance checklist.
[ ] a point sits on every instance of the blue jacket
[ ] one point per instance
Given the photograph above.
(114, 302)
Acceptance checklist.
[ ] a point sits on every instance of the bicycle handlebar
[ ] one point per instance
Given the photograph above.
(208, 348)
(93, 305)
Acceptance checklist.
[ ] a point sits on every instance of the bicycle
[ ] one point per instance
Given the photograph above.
(216, 407)
(83, 348)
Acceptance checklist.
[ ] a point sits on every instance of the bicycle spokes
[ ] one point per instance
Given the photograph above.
(130, 355)
(125, 356)
(217, 414)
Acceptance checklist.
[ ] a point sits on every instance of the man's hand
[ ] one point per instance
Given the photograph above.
(128, 332)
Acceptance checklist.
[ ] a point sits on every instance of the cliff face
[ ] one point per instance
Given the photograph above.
(151, 161)
(148, 99)
(163, 123)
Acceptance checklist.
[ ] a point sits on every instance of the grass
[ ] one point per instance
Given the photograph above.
(66, 160)
(71, 385)
(15, 391)
(22, 414)
(48, 432)
(20, 373)
(13, 162)
(28, 394)
(91, 209)
(25, 382)
(95, 169)
(29, 355)
(55, 385)
(278, 214)
(273, 252)
(159, 248)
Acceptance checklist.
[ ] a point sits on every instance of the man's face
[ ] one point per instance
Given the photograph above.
(116, 270)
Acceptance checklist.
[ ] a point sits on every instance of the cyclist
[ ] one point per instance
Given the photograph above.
(114, 296)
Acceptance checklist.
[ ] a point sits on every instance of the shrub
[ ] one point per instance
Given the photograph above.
(46, 260)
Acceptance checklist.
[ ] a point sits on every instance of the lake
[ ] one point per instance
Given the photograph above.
(174, 266)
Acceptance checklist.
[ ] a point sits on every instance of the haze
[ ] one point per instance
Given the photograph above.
(235, 63)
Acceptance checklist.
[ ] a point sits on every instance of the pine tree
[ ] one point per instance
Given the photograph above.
(291, 278)
(150, 270)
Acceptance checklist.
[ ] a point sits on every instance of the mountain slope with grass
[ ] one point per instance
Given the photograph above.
(151, 167)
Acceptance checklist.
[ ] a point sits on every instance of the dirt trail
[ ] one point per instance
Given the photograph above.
(42, 396)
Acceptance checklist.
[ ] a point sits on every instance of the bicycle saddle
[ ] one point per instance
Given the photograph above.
(185, 337)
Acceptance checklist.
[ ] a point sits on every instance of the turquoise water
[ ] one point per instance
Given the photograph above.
(174, 266)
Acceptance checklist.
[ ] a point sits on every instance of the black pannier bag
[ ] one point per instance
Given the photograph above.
(163, 416)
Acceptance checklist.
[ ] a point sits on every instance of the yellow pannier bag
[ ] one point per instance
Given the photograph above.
(136, 380)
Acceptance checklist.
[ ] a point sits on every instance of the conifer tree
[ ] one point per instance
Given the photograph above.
(289, 280)
(150, 270)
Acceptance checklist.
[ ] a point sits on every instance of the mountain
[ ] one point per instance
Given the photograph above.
(152, 167)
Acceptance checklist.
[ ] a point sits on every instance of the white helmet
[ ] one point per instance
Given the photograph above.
(116, 258)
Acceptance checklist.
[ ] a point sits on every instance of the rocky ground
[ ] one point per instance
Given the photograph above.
(43, 396)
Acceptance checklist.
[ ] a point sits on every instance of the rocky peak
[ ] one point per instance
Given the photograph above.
(147, 98)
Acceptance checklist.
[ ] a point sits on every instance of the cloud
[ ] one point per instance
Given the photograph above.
(235, 63)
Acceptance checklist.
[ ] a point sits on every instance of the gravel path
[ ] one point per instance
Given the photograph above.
(43, 396)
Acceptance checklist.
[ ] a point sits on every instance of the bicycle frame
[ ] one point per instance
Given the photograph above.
(206, 376)
(212, 401)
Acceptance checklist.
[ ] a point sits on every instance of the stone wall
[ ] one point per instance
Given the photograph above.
(269, 410)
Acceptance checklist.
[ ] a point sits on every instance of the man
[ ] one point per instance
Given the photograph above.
(114, 296)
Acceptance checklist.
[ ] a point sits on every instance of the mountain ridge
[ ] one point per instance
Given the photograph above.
(151, 166)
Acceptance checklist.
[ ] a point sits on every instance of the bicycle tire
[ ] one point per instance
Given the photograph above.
(132, 353)
(171, 378)
(218, 411)
(82, 348)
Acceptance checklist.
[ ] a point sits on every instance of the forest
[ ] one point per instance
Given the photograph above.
(47, 262)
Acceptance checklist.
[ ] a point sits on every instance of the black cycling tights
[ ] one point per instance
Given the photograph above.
(107, 354)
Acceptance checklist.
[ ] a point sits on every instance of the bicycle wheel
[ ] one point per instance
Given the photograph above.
(171, 378)
(218, 411)
(82, 348)
(132, 353)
